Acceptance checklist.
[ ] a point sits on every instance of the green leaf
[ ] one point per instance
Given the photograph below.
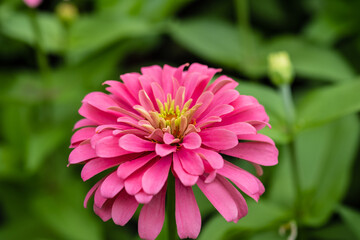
(109, 28)
(40, 145)
(326, 104)
(333, 232)
(323, 177)
(351, 218)
(272, 102)
(281, 188)
(261, 215)
(18, 26)
(63, 212)
(325, 156)
(214, 40)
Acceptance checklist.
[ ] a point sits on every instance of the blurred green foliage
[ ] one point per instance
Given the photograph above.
(42, 199)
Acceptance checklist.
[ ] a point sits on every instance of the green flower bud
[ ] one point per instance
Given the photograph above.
(67, 12)
(280, 68)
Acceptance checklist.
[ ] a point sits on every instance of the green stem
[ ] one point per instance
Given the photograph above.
(170, 208)
(41, 58)
(290, 113)
(242, 12)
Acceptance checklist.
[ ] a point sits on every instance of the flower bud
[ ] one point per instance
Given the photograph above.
(67, 12)
(33, 3)
(280, 68)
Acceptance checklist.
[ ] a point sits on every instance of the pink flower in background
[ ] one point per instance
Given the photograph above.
(33, 3)
(170, 121)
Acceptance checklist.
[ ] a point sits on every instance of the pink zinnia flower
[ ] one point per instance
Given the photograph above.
(33, 3)
(170, 121)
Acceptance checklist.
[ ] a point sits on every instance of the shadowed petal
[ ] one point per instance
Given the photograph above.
(244, 180)
(123, 208)
(187, 214)
(111, 186)
(129, 167)
(191, 162)
(164, 149)
(185, 178)
(225, 198)
(152, 215)
(155, 177)
(213, 158)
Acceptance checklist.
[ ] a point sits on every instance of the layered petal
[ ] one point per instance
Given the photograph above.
(187, 214)
(152, 215)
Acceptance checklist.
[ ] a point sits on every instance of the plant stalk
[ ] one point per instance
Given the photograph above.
(290, 113)
(170, 208)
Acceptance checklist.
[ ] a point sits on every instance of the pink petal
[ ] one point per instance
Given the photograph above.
(218, 110)
(133, 143)
(143, 198)
(105, 211)
(167, 77)
(220, 139)
(81, 153)
(238, 198)
(82, 134)
(108, 147)
(121, 93)
(213, 158)
(238, 128)
(226, 97)
(111, 186)
(155, 177)
(156, 135)
(255, 113)
(100, 100)
(222, 82)
(99, 199)
(98, 165)
(180, 97)
(224, 198)
(164, 149)
(96, 137)
(186, 178)
(256, 137)
(133, 184)
(187, 214)
(96, 115)
(129, 167)
(158, 91)
(91, 192)
(192, 141)
(154, 71)
(205, 100)
(170, 139)
(257, 152)
(244, 180)
(84, 123)
(191, 162)
(152, 215)
(123, 208)
(145, 101)
(131, 81)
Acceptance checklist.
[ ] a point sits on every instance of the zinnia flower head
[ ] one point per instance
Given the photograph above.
(33, 3)
(170, 121)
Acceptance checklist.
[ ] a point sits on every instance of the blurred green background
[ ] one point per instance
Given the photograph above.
(50, 57)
